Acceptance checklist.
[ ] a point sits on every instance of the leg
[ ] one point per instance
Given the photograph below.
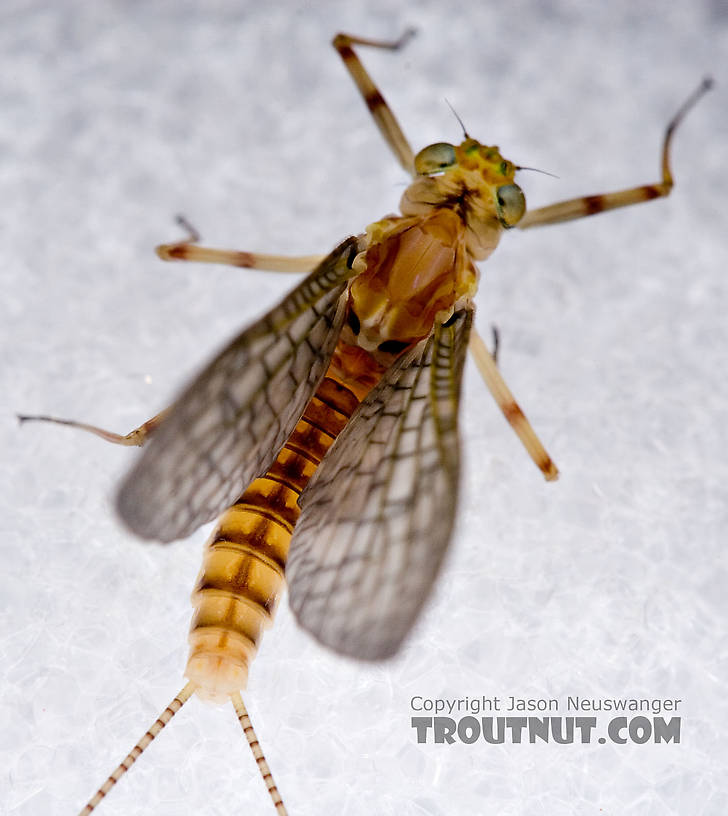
(383, 116)
(589, 205)
(511, 410)
(187, 250)
(136, 437)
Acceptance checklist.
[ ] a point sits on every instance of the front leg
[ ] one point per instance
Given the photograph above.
(377, 104)
(590, 205)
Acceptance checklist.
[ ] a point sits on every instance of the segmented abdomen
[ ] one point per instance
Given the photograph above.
(242, 574)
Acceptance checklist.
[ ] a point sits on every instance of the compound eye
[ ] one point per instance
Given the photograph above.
(435, 158)
(511, 204)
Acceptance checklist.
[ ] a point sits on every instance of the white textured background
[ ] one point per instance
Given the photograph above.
(612, 582)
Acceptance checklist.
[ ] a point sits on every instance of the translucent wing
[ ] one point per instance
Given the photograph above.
(230, 422)
(377, 516)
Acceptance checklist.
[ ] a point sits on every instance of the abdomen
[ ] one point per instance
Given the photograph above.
(243, 569)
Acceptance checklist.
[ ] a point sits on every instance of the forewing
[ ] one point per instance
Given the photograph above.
(377, 516)
(230, 422)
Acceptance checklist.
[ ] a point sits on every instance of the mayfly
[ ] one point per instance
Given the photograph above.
(326, 433)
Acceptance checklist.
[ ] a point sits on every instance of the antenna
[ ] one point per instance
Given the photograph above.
(536, 170)
(460, 121)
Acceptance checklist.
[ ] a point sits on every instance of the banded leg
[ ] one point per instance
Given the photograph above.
(378, 107)
(590, 205)
(510, 408)
(137, 437)
(188, 250)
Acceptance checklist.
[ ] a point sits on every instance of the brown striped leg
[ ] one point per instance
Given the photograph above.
(590, 205)
(511, 410)
(136, 437)
(136, 751)
(188, 250)
(244, 720)
(383, 116)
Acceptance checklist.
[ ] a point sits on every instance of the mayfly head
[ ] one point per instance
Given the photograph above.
(472, 180)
